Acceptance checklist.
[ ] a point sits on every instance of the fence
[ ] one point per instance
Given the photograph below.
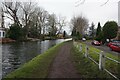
(102, 59)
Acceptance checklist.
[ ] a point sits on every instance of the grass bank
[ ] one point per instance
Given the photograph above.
(38, 67)
(89, 69)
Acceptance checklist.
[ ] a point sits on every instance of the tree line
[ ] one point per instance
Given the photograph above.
(108, 31)
(31, 20)
(79, 28)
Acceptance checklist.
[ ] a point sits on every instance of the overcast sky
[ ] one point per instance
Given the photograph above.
(91, 9)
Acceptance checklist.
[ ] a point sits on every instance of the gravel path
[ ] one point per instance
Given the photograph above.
(62, 66)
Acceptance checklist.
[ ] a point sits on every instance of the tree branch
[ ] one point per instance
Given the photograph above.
(105, 3)
(8, 17)
(83, 1)
(79, 2)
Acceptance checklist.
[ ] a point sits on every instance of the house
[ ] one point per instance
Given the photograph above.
(60, 35)
(2, 36)
(2, 32)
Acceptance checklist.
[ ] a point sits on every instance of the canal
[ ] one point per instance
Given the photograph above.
(15, 55)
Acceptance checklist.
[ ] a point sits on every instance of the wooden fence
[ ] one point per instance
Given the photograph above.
(102, 59)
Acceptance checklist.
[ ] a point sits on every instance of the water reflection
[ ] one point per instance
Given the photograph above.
(0, 61)
(16, 54)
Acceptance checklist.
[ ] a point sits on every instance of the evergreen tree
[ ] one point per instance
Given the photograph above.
(92, 30)
(110, 30)
(98, 29)
(73, 33)
(64, 34)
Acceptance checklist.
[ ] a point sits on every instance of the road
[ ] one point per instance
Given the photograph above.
(103, 48)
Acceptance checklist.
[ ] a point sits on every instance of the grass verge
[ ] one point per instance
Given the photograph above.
(38, 67)
(113, 67)
(89, 69)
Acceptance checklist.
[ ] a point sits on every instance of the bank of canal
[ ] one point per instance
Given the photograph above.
(38, 67)
(16, 54)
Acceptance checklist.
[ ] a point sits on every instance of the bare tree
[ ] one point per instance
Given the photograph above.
(33, 26)
(52, 22)
(28, 9)
(39, 18)
(11, 9)
(79, 24)
(42, 18)
(2, 17)
(38, 15)
(61, 23)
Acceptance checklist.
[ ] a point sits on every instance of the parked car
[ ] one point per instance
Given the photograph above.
(115, 47)
(83, 39)
(113, 42)
(97, 43)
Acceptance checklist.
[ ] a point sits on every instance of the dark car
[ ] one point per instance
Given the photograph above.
(97, 43)
(115, 47)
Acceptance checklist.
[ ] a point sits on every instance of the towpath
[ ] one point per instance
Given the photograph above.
(63, 66)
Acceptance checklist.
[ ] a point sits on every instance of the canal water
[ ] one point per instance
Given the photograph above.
(16, 54)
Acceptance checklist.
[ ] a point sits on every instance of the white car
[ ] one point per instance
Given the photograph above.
(83, 39)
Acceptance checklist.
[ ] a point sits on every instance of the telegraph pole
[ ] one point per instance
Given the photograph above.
(119, 13)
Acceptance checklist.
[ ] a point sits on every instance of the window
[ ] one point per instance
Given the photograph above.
(3, 34)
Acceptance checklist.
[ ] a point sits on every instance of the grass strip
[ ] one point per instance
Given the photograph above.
(113, 67)
(85, 67)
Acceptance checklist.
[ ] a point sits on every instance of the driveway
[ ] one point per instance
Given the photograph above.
(103, 48)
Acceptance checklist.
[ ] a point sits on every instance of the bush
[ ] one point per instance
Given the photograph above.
(15, 32)
(77, 36)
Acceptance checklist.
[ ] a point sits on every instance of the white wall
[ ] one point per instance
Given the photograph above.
(2, 36)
